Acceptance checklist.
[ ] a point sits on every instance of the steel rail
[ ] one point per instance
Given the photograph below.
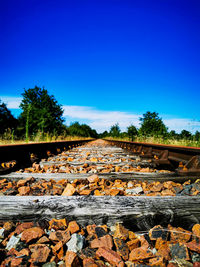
(21, 155)
(165, 154)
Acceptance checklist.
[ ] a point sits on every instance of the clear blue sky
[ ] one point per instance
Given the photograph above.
(111, 55)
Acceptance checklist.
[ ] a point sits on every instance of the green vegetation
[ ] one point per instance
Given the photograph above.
(153, 130)
(42, 119)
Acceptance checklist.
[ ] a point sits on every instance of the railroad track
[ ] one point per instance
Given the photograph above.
(102, 182)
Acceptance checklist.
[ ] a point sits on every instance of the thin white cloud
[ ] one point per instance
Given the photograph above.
(103, 120)
(11, 101)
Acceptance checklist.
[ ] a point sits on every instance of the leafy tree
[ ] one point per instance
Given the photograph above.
(197, 136)
(152, 125)
(185, 134)
(115, 130)
(104, 134)
(132, 132)
(172, 134)
(7, 120)
(76, 129)
(40, 112)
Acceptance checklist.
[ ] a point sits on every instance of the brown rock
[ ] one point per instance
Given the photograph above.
(21, 183)
(73, 227)
(16, 262)
(134, 243)
(158, 232)
(121, 232)
(69, 190)
(85, 192)
(24, 252)
(104, 241)
(93, 178)
(59, 235)
(89, 263)
(40, 253)
(31, 234)
(57, 247)
(122, 248)
(71, 259)
(91, 229)
(167, 192)
(131, 235)
(8, 226)
(158, 261)
(194, 246)
(24, 190)
(58, 224)
(179, 234)
(162, 247)
(140, 254)
(43, 240)
(111, 256)
(196, 230)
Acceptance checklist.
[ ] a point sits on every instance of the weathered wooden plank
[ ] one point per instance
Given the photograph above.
(140, 212)
(122, 176)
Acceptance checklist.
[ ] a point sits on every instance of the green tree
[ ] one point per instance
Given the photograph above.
(76, 129)
(7, 120)
(132, 132)
(152, 125)
(197, 136)
(40, 112)
(115, 130)
(185, 134)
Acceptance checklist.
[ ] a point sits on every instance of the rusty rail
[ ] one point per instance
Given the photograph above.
(22, 155)
(185, 159)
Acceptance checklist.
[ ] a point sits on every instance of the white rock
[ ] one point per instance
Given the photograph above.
(135, 190)
(76, 243)
(2, 230)
(13, 242)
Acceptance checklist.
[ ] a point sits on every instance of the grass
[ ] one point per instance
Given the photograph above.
(9, 138)
(160, 140)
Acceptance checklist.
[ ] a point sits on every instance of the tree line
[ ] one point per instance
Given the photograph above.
(41, 113)
(151, 126)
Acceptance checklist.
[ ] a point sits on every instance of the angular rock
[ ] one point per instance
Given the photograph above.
(179, 251)
(158, 232)
(122, 248)
(69, 190)
(24, 190)
(194, 246)
(140, 253)
(179, 234)
(111, 256)
(23, 226)
(89, 263)
(120, 232)
(133, 243)
(196, 230)
(76, 243)
(104, 241)
(71, 259)
(31, 234)
(40, 253)
(59, 235)
(58, 224)
(13, 242)
(73, 227)
(93, 178)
